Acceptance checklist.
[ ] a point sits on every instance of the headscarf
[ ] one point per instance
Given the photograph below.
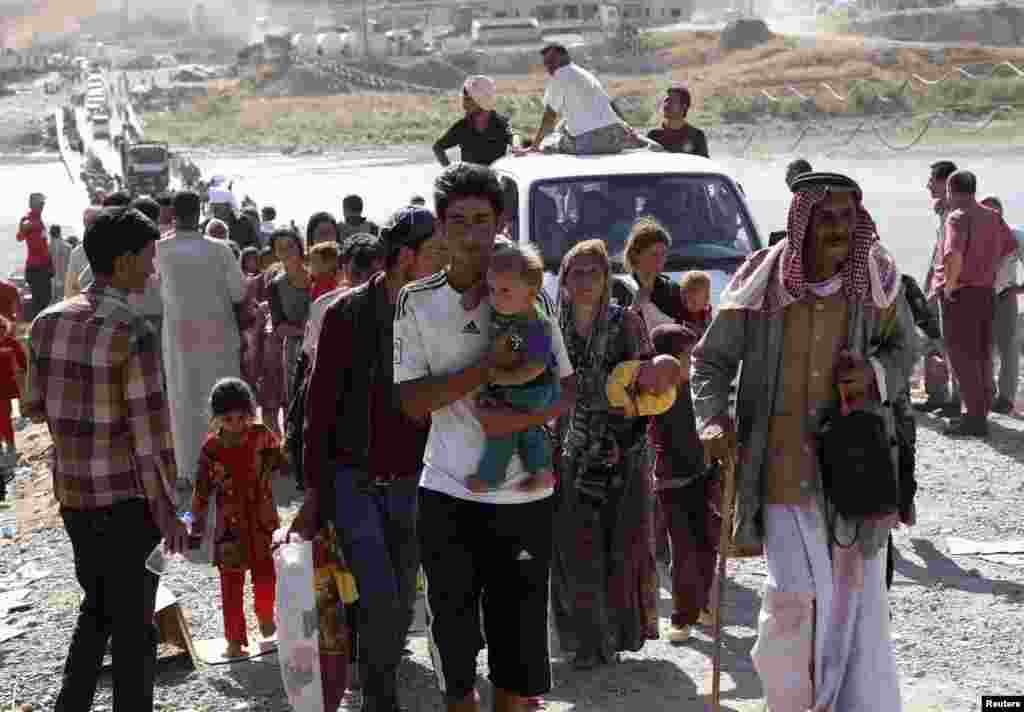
(673, 338)
(773, 279)
(585, 432)
(217, 223)
(482, 90)
(864, 235)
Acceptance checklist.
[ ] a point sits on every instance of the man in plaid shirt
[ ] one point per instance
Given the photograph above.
(97, 385)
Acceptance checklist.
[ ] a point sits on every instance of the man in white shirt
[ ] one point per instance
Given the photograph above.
(1004, 326)
(591, 123)
(495, 546)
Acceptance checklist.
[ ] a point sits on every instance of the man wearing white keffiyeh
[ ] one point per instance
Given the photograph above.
(816, 309)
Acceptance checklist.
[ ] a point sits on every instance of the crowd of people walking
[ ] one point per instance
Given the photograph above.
(530, 451)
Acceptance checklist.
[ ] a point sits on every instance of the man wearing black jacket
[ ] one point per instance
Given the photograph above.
(362, 454)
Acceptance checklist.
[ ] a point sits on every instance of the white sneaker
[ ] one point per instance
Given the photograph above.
(679, 634)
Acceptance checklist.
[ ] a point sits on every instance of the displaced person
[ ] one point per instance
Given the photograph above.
(939, 380)
(200, 282)
(604, 579)
(149, 302)
(323, 268)
(114, 484)
(363, 259)
(1004, 324)
(526, 381)
(655, 298)
(676, 134)
(591, 122)
(10, 301)
(289, 301)
(251, 334)
(60, 255)
(217, 229)
(13, 364)
(482, 135)
(267, 217)
(78, 261)
(363, 455)
(688, 492)
(166, 219)
(38, 265)
(237, 464)
(271, 392)
(794, 170)
(799, 318)
(322, 227)
(489, 550)
(976, 244)
(353, 221)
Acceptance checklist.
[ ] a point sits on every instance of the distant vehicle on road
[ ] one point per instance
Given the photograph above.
(146, 167)
(506, 30)
(101, 126)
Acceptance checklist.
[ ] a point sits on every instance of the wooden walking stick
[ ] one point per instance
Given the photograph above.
(727, 509)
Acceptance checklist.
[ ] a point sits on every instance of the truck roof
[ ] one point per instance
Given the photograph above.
(533, 168)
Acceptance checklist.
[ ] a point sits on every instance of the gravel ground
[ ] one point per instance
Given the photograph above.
(957, 627)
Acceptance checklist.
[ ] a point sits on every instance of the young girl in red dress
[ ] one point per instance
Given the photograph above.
(236, 467)
(13, 363)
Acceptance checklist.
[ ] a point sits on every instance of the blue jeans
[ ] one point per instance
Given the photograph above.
(377, 529)
(531, 445)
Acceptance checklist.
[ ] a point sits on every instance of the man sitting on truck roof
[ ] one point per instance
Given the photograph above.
(591, 123)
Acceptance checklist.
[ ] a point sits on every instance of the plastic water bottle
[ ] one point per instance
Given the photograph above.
(156, 562)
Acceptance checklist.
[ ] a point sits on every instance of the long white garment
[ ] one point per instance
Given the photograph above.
(853, 664)
(200, 282)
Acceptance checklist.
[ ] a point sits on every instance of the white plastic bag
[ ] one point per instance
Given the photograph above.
(298, 638)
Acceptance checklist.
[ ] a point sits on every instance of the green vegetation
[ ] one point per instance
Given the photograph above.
(233, 120)
(397, 120)
(837, 22)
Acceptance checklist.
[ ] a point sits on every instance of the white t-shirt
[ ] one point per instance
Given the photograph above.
(1007, 275)
(580, 100)
(434, 336)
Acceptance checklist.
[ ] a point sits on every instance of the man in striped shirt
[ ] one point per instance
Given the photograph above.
(98, 387)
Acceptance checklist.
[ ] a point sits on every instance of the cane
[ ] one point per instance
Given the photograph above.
(727, 509)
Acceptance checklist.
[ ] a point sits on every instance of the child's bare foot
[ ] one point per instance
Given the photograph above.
(235, 650)
(268, 629)
(545, 479)
(477, 485)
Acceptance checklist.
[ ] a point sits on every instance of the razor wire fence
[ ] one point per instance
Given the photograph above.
(890, 128)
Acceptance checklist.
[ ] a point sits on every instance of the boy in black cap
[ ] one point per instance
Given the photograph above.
(362, 455)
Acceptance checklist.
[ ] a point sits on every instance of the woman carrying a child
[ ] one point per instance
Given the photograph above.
(604, 581)
(651, 293)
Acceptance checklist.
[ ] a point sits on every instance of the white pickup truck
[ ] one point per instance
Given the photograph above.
(558, 200)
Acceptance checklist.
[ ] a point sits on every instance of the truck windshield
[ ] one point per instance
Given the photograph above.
(703, 213)
(148, 154)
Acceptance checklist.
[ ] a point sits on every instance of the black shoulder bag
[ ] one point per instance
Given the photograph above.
(858, 475)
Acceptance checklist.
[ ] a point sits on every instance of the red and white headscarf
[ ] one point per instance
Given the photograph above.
(774, 278)
(855, 271)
